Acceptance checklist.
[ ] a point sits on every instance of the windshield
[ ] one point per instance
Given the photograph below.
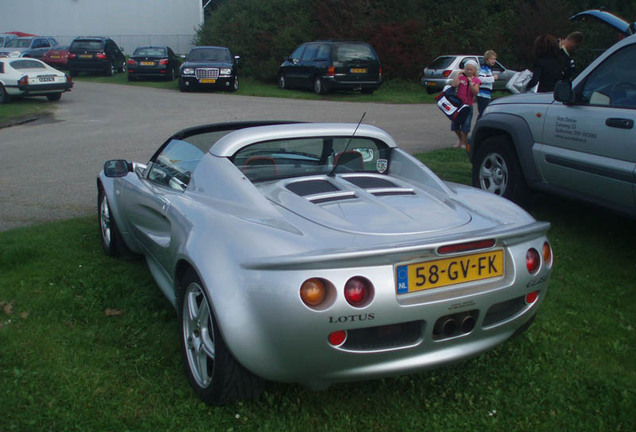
(19, 43)
(441, 62)
(26, 64)
(150, 52)
(311, 156)
(88, 45)
(210, 54)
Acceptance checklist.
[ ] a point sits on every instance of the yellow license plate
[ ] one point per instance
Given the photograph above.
(147, 63)
(449, 271)
(55, 56)
(86, 55)
(431, 83)
(358, 70)
(207, 81)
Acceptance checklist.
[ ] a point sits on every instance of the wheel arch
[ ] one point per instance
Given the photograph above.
(517, 132)
(107, 187)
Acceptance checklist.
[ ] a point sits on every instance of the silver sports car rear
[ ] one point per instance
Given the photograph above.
(320, 253)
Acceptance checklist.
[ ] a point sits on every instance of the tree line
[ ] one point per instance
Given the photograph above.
(407, 34)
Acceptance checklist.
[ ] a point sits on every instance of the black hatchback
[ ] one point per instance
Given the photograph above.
(153, 62)
(95, 54)
(332, 65)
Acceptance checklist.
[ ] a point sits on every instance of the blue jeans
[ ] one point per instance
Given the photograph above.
(465, 126)
(482, 103)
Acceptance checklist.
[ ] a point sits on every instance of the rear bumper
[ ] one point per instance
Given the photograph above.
(335, 84)
(435, 84)
(147, 71)
(39, 89)
(92, 66)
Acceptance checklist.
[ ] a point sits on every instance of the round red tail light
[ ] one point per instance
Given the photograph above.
(313, 292)
(357, 291)
(532, 297)
(533, 260)
(337, 338)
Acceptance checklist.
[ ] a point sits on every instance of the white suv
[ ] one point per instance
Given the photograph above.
(579, 142)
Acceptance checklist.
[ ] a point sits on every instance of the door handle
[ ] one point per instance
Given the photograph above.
(619, 123)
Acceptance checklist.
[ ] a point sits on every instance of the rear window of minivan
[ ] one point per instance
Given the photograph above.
(348, 52)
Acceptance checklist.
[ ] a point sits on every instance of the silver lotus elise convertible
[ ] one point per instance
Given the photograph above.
(320, 253)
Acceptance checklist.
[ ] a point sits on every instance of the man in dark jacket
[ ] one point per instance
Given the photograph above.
(568, 47)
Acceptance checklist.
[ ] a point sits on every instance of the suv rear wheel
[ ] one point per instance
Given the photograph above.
(496, 169)
(110, 70)
(319, 88)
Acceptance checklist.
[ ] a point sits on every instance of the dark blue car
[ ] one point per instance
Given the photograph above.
(209, 67)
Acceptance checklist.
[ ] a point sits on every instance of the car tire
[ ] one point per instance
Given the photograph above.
(4, 96)
(54, 97)
(171, 75)
(112, 241)
(282, 82)
(235, 85)
(215, 375)
(182, 86)
(319, 87)
(110, 70)
(122, 68)
(496, 169)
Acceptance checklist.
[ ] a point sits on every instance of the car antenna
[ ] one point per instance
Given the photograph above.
(335, 165)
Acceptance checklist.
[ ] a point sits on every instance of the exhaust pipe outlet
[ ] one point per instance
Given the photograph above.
(468, 324)
(449, 327)
(457, 324)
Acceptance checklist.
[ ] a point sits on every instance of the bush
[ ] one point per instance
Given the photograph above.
(261, 32)
(407, 35)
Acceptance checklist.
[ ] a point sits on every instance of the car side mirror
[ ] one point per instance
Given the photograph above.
(563, 92)
(117, 168)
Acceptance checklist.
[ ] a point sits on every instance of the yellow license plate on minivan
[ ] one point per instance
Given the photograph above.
(444, 272)
(358, 70)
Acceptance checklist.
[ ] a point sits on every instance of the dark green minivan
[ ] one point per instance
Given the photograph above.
(332, 65)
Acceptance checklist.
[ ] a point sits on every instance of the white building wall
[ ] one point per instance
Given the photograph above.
(129, 22)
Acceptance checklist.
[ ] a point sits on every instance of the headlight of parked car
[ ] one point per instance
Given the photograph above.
(188, 71)
(226, 71)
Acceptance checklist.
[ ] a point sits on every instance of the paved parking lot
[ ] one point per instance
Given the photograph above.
(48, 167)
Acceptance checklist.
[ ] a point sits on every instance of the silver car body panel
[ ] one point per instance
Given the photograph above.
(254, 243)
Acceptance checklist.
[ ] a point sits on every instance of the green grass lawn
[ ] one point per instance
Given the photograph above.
(88, 343)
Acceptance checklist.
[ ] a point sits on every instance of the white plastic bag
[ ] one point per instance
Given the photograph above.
(518, 82)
